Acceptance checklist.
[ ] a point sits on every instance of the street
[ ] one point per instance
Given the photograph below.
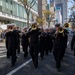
(45, 67)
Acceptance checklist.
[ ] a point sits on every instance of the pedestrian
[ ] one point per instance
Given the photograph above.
(58, 46)
(73, 44)
(13, 42)
(42, 44)
(7, 36)
(25, 43)
(34, 39)
(18, 38)
(50, 42)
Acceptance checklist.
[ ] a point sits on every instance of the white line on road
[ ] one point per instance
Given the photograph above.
(2, 56)
(2, 51)
(68, 43)
(18, 68)
(2, 48)
(70, 56)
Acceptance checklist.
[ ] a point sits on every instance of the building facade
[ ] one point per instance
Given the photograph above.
(42, 6)
(63, 5)
(12, 11)
(58, 15)
(52, 9)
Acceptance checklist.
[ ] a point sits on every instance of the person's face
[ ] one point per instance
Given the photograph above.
(14, 27)
(57, 27)
(18, 28)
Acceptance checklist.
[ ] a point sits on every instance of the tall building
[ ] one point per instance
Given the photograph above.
(58, 15)
(11, 11)
(62, 4)
(42, 6)
(52, 9)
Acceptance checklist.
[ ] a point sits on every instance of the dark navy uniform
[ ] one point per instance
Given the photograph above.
(58, 45)
(7, 35)
(13, 42)
(42, 44)
(18, 39)
(49, 42)
(34, 39)
(25, 43)
(65, 42)
(73, 44)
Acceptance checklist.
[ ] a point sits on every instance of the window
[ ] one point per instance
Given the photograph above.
(6, 0)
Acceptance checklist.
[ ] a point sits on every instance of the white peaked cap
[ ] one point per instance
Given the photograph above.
(33, 22)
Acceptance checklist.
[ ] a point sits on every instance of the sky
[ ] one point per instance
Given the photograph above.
(48, 1)
(69, 5)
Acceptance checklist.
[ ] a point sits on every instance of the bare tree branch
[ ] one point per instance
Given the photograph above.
(28, 4)
(32, 3)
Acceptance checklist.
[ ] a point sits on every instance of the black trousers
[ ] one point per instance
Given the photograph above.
(8, 51)
(18, 48)
(34, 53)
(25, 50)
(74, 51)
(42, 51)
(58, 55)
(63, 53)
(13, 54)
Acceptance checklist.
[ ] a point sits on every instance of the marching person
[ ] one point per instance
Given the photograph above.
(49, 39)
(13, 42)
(42, 44)
(7, 36)
(34, 39)
(66, 25)
(25, 42)
(73, 44)
(58, 46)
(18, 38)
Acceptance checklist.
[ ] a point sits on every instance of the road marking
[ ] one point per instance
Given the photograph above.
(2, 56)
(69, 55)
(18, 68)
(2, 48)
(68, 43)
(2, 51)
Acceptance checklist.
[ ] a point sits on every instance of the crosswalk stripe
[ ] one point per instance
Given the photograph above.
(2, 56)
(2, 51)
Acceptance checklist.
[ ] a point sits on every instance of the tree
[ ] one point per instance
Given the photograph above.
(49, 16)
(40, 20)
(28, 4)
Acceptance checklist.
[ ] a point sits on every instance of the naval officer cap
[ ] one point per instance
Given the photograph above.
(34, 22)
(57, 25)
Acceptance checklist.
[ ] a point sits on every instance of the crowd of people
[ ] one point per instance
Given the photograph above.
(37, 41)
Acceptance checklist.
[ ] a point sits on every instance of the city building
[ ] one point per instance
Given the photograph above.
(58, 16)
(11, 11)
(62, 4)
(42, 6)
(52, 9)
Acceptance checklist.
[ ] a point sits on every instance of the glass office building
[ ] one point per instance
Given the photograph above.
(13, 12)
(62, 4)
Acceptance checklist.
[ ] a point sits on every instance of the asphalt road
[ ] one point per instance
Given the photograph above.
(45, 67)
